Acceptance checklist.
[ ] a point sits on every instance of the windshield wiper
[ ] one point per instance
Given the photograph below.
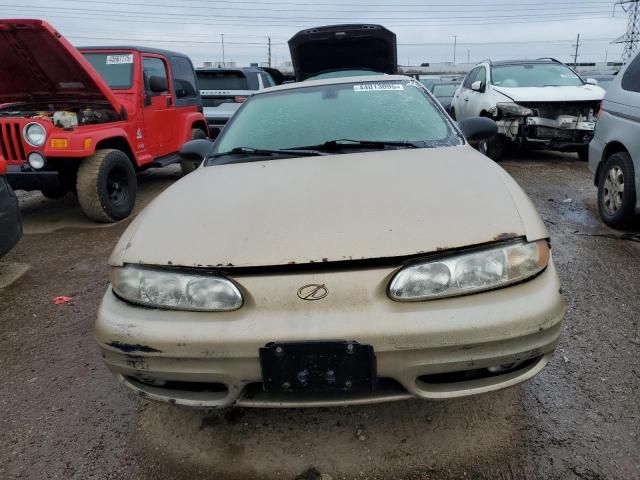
(265, 152)
(345, 143)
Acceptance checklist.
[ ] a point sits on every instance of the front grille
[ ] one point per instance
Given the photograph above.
(11, 142)
(555, 109)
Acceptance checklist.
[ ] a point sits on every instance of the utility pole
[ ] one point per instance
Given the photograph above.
(631, 39)
(575, 56)
(269, 38)
(455, 45)
(223, 62)
(468, 56)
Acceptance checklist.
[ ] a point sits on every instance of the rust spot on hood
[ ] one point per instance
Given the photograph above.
(129, 347)
(506, 236)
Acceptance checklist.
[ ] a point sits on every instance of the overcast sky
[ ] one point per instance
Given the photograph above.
(496, 29)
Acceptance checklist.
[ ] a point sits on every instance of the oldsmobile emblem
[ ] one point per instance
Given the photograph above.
(312, 292)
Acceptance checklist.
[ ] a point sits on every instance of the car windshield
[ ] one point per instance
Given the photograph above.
(446, 90)
(116, 68)
(222, 81)
(534, 75)
(381, 111)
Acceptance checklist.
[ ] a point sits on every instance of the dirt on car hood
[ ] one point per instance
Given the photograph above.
(343, 47)
(40, 65)
(582, 93)
(321, 209)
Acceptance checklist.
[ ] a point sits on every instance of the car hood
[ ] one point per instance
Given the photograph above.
(343, 47)
(582, 93)
(40, 65)
(334, 208)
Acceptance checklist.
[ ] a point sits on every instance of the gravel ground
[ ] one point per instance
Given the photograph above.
(64, 416)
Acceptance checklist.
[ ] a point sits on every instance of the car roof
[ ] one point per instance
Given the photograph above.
(226, 69)
(336, 81)
(524, 62)
(157, 51)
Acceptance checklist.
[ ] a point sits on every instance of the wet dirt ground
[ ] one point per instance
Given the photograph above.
(64, 416)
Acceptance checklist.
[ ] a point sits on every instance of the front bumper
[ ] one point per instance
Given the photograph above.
(10, 224)
(557, 134)
(23, 177)
(211, 360)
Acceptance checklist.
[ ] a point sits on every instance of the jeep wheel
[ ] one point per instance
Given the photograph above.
(188, 167)
(107, 186)
(493, 148)
(616, 190)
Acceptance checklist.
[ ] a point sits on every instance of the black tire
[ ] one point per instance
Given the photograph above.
(188, 167)
(493, 148)
(616, 207)
(107, 186)
(583, 154)
(54, 193)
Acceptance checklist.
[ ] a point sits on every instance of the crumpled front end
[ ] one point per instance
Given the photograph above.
(555, 125)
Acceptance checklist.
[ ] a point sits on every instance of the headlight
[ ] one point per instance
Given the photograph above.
(175, 290)
(34, 134)
(514, 110)
(467, 273)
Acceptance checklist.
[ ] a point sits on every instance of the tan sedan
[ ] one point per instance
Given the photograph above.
(341, 244)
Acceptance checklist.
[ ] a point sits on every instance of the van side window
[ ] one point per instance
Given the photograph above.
(631, 78)
(184, 79)
(153, 67)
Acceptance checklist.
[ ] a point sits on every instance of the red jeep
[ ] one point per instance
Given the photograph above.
(87, 120)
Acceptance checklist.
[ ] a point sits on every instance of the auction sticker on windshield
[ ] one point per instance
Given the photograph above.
(119, 59)
(374, 87)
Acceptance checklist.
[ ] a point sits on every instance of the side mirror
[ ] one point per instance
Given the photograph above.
(477, 86)
(478, 129)
(591, 81)
(195, 150)
(158, 84)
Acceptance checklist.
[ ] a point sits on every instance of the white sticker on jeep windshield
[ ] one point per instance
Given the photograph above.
(375, 87)
(119, 59)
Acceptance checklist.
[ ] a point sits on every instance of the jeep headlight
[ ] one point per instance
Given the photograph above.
(34, 134)
(464, 273)
(514, 110)
(170, 289)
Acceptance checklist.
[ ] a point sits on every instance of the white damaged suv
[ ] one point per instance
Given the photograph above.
(539, 103)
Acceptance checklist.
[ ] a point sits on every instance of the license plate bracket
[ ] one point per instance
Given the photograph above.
(318, 366)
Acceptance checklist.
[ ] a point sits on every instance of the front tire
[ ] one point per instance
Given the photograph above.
(616, 190)
(188, 167)
(107, 186)
(493, 148)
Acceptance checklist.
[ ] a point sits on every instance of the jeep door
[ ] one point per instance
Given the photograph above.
(159, 108)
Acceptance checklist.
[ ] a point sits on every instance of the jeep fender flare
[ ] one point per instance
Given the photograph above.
(114, 137)
(193, 120)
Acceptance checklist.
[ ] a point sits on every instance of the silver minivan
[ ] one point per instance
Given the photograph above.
(614, 152)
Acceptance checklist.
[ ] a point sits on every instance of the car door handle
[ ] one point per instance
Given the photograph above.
(169, 101)
(466, 99)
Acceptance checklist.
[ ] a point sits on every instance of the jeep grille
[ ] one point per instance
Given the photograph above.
(11, 142)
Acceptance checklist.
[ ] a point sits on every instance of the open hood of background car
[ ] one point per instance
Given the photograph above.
(583, 93)
(40, 65)
(343, 47)
(360, 206)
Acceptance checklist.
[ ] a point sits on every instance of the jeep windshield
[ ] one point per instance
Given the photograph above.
(115, 68)
(521, 75)
(372, 115)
